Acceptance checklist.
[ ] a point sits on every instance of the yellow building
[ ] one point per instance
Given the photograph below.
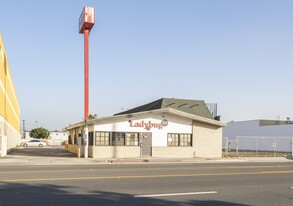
(9, 108)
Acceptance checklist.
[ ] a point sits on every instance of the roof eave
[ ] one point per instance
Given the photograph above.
(197, 118)
(165, 110)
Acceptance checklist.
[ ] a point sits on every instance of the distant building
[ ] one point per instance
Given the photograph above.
(9, 108)
(260, 134)
(58, 136)
(55, 138)
(167, 127)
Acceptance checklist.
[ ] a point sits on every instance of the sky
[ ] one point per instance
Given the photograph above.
(238, 54)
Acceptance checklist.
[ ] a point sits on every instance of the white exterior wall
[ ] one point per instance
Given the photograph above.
(252, 128)
(159, 136)
(10, 137)
(3, 146)
(58, 136)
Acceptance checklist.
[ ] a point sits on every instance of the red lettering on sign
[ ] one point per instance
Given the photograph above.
(144, 124)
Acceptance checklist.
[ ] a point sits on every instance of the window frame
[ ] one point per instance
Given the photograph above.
(136, 139)
(104, 132)
(123, 136)
(180, 141)
(125, 142)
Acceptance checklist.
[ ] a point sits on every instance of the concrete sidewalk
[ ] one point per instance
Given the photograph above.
(11, 160)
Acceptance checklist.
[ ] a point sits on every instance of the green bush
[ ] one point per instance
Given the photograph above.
(40, 133)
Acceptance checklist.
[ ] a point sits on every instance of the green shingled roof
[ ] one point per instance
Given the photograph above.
(195, 107)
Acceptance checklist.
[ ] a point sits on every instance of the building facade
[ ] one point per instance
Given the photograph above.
(266, 135)
(165, 132)
(9, 107)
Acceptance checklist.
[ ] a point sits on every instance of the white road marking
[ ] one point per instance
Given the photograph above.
(291, 188)
(177, 194)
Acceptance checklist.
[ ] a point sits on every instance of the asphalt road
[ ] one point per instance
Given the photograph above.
(148, 184)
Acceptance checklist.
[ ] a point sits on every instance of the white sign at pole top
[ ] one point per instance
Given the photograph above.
(87, 19)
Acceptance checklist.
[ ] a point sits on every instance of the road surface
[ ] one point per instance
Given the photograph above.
(148, 184)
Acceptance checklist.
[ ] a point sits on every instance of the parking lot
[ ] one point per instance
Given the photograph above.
(47, 151)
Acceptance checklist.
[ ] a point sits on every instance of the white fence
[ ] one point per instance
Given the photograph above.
(259, 144)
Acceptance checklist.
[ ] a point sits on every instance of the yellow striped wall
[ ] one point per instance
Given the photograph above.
(9, 107)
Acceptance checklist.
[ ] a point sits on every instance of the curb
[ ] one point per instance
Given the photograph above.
(9, 161)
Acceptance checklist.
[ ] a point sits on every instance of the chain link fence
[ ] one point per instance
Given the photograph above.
(256, 146)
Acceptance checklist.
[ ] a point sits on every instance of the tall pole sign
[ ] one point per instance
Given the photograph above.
(86, 23)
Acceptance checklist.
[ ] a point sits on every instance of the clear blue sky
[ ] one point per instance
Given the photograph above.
(238, 54)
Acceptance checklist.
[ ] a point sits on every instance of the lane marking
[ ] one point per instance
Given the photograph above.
(145, 176)
(138, 169)
(177, 194)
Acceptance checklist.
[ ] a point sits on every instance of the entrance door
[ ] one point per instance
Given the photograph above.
(146, 144)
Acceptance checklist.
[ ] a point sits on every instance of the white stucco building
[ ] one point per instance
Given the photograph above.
(152, 130)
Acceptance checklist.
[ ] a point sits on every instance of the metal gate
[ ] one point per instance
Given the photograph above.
(146, 144)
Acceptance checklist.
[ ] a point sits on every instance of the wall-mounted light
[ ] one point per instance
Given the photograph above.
(164, 122)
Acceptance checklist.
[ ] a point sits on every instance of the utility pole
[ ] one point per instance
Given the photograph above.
(23, 128)
(86, 23)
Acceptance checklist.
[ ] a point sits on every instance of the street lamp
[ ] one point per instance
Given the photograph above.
(86, 23)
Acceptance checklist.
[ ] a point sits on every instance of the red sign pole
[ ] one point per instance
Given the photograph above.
(86, 22)
(86, 74)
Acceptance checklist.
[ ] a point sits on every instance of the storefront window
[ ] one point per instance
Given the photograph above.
(173, 139)
(131, 139)
(102, 138)
(118, 138)
(183, 140)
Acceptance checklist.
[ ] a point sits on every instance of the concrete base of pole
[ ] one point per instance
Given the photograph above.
(86, 142)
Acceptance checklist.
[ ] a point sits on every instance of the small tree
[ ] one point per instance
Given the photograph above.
(40, 133)
(93, 116)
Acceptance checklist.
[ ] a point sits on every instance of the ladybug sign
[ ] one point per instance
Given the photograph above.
(87, 19)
